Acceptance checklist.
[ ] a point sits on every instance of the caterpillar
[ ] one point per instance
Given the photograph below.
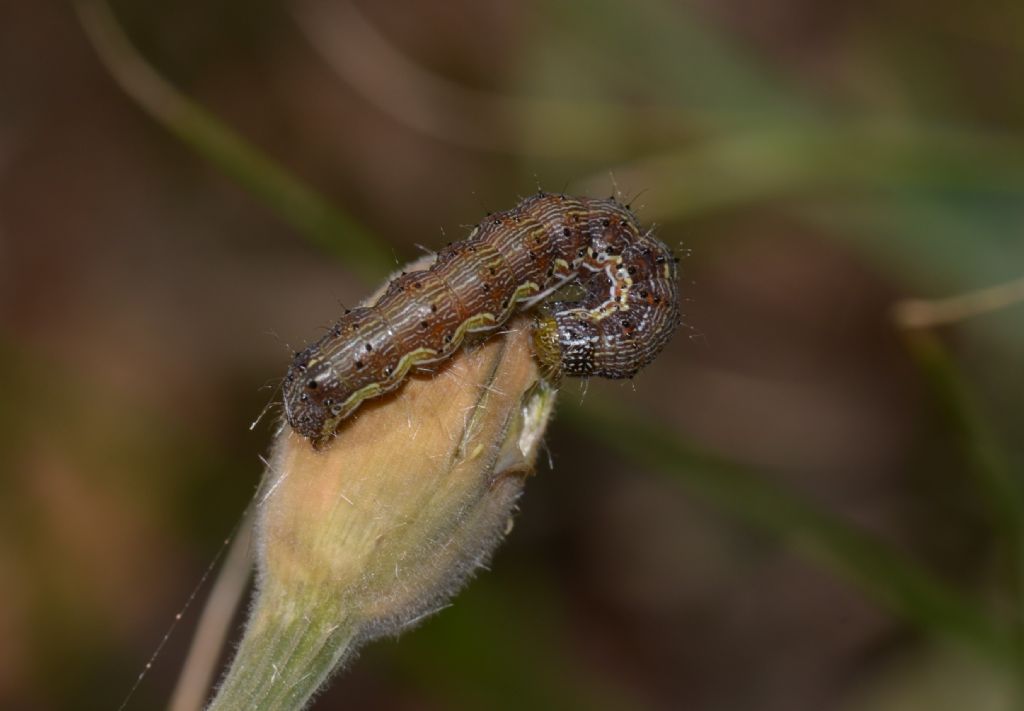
(513, 261)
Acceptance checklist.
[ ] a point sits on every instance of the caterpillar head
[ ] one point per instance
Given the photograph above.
(308, 403)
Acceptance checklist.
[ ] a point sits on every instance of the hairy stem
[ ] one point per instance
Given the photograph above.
(291, 647)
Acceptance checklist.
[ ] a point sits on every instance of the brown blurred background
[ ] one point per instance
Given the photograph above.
(818, 162)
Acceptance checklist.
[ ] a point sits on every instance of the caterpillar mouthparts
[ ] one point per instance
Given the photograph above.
(510, 262)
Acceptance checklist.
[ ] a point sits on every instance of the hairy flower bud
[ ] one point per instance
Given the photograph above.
(375, 531)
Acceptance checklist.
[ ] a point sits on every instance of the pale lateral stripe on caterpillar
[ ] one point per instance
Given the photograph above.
(513, 260)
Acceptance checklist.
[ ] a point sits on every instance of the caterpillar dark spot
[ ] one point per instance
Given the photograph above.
(628, 311)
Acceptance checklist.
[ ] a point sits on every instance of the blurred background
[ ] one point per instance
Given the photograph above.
(810, 501)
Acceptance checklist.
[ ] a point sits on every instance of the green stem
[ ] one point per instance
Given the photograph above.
(292, 644)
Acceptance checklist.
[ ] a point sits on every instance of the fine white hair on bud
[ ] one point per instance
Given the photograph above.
(369, 534)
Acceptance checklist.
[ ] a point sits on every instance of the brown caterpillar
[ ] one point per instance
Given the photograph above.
(511, 261)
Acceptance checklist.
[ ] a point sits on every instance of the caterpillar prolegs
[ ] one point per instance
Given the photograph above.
(512, 261)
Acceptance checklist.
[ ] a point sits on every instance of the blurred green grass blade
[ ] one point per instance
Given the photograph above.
(976, 438)
(891, 579)
(295, 202)
(983, 455)
(954, 242)
(802, 158)
(665, 47)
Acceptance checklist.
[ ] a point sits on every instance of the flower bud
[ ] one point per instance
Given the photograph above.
(371, 533)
